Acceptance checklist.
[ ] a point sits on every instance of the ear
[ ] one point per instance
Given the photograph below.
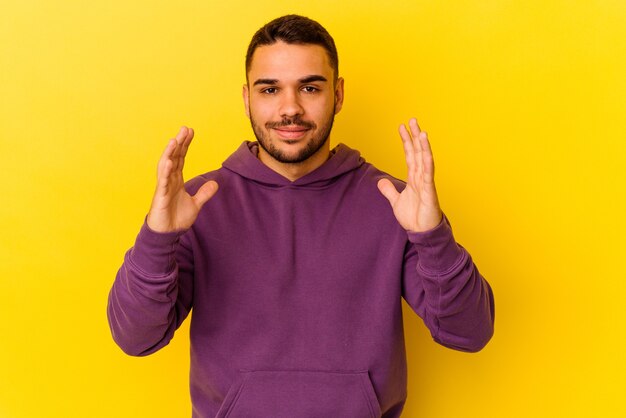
(246, 99)
(338, 95)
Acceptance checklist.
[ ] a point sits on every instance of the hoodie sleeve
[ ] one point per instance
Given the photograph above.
(444, 287)
(152, 292)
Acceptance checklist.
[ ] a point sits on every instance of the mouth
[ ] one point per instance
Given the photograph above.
(291, 132)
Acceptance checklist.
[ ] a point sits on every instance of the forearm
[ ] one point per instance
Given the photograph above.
(458, 301)
(142, 309)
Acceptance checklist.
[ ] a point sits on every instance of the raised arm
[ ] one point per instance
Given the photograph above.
(441, 282)
(153, 289)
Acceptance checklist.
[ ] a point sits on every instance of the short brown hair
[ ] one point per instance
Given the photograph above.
(294, 29)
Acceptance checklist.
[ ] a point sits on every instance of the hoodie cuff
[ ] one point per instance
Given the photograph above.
(154, 251)
(438, 251)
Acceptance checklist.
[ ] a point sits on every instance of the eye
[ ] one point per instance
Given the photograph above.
(310, 89)
(269, 90)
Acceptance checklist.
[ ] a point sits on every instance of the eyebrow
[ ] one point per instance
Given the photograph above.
(307, 79)
(312, 78)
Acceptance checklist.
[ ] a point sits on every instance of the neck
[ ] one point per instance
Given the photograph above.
(293, 171)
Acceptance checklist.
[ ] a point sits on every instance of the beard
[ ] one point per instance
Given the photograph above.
(313, 145)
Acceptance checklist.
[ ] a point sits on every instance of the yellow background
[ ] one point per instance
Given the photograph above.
(525, 105)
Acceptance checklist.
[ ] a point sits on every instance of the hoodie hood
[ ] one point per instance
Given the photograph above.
(245, 162)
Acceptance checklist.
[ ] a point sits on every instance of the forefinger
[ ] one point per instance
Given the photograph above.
(186, 142)
(415, 134)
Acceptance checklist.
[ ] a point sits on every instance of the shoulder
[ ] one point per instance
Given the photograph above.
(370, 174)
(195, 183)
(364, 171)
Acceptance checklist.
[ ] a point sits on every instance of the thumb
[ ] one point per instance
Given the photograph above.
(205, 192)
(388, 190)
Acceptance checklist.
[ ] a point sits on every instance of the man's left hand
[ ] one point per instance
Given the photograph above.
(416, 208)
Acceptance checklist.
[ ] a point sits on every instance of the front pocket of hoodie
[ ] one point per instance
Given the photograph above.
(301, 394)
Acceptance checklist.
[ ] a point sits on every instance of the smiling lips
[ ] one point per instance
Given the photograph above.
(291, 132)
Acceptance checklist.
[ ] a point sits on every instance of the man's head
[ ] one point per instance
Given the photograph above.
(293, 90)
(294, 29)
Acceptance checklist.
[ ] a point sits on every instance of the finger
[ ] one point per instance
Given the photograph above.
(427, 158)
(182, 134)
(388, 190)
(409, 151)
(415, 134)
(184, 148)
(166, 156)
(163, 179)
(187, 142)
(179, 139)
(177, 156)
(415, 128)
(204, 193)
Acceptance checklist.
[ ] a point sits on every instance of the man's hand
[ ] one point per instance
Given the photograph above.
(417, 207)
(172, 207)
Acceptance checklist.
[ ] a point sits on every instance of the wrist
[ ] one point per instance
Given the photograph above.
(427, 223)
(155, 224)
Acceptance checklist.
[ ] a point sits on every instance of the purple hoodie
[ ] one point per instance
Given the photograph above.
(296, 292)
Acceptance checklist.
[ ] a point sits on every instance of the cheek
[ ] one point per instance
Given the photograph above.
(260, 112)
(321, 108)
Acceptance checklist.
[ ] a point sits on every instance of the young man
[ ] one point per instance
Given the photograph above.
(296, 268)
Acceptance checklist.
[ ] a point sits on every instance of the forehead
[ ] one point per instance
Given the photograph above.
(283, 61)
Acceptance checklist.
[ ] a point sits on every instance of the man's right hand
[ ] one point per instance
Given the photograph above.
(172, 208)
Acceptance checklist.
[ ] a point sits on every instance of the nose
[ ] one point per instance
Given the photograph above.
(290, 104)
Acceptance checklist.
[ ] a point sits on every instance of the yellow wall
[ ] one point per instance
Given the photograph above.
(525, 105)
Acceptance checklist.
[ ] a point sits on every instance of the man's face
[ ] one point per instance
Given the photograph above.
(291, 99)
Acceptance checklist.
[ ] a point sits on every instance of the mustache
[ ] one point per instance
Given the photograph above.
(297, 121)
